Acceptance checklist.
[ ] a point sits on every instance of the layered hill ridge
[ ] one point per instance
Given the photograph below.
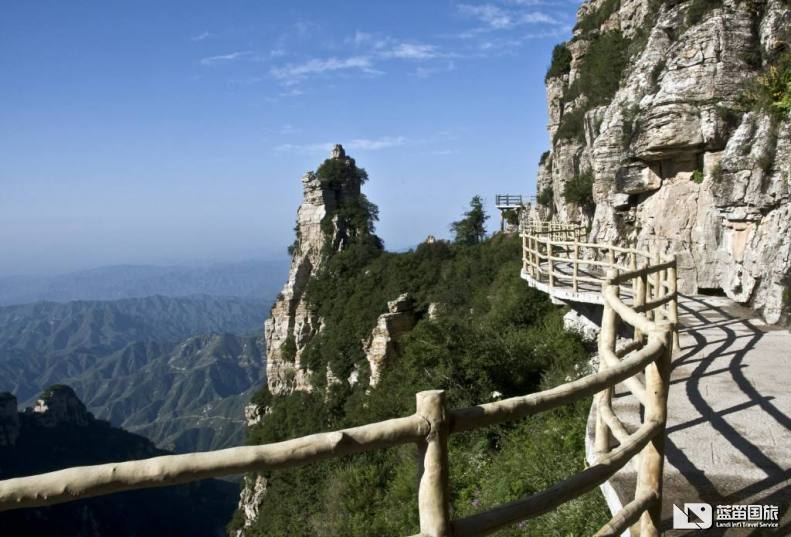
(669, 128)
(251, 279)
(178, 370)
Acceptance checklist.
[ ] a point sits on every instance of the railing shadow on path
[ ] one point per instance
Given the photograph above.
(740, 336)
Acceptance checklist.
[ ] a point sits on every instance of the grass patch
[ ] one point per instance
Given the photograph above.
(600, 74)
(593, 20)
(572, 126)
(545, 197)
(561, 62)
(770, 91)
(697, 176)
(579, 189)
(698, 9)
(716, 173)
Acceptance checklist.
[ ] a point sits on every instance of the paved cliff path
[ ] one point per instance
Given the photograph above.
(729, 414)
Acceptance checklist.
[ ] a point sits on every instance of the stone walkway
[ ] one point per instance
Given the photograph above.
(729, 416)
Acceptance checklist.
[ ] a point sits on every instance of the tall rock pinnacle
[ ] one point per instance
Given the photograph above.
(320, 234)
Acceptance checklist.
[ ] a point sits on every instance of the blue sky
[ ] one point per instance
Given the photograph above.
(168, 132)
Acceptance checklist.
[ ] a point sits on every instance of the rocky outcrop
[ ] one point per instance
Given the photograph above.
(58, 405)
(254, 414)
(322, 231)
(575, 322)
(676, 165)
(9, 420)
(250, 499)
(291, 324)
(382, 347)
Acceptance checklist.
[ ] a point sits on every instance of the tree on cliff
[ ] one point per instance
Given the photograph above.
(470, 229)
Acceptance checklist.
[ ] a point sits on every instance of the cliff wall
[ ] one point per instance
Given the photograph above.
(658, 141)
(320, 232)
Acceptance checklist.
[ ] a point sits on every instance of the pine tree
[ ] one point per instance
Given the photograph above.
(470, 229)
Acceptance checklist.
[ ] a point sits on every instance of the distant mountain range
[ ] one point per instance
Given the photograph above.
(254, 279)
(177, 369)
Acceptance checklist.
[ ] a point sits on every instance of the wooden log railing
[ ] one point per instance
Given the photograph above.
(429, 429)
(652, 312)
(559, 254)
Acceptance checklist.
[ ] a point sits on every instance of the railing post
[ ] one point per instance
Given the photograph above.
(652, 457)
(640, 297)
(550, 263)
(576, 264)
(673, 281)
(607, 335)
(433, 494)
(658, 289)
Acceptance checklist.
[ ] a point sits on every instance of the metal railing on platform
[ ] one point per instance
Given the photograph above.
(508, 200)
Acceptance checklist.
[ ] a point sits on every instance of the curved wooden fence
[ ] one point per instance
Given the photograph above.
(429, 428)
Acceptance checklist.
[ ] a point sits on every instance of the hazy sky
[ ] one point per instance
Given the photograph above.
(166, 132)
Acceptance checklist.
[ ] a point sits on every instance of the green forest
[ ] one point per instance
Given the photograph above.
(494, 337)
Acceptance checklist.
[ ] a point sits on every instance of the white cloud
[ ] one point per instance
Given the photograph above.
(201, 36)
(375, 145)
(497, 18)
(526, 2)
(489, 14)
(425, 72)
(317, 66)
(535, 17)
(413, 51)
(359, 144)
(293, 92)
(222, 58)
(288, 128)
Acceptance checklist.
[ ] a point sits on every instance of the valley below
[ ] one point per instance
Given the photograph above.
(177, 370)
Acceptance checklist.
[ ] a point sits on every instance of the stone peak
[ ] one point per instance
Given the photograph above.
(338, 152)
(59, 404)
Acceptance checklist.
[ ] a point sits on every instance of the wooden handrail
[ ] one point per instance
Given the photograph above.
(431, 425)
(466, 419)
(87, 481)
(653, 314)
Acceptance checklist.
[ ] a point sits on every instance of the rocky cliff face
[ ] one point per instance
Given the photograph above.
(320, 232)
(676, 159)
(324, 228)
(334, 220)
(382, 346)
